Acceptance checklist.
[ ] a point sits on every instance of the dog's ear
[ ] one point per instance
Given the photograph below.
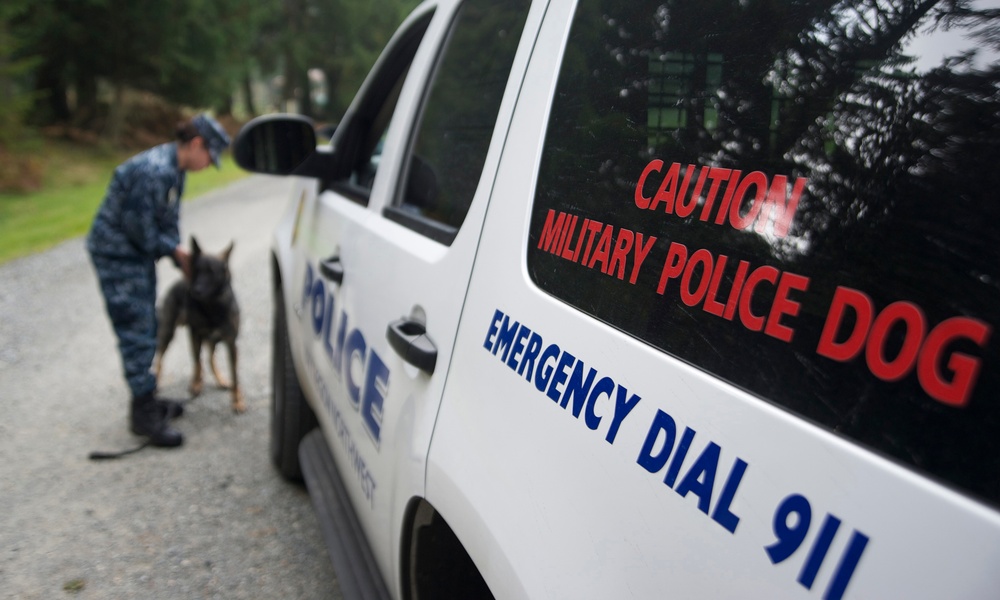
(195, 248)
(225, 253)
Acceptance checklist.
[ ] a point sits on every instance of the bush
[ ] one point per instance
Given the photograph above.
(20, 172)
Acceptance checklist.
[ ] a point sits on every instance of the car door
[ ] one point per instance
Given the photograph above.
(675, 398)
(391, 244)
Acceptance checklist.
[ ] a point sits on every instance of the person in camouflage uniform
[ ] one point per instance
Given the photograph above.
(136, 224)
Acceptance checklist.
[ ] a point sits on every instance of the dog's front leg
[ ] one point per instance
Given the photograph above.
(238, 405)
(196, 377)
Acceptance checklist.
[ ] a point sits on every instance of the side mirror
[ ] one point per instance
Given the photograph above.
(281, 144)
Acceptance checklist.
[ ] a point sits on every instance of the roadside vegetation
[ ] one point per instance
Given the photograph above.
(73, 177)
(86, 83)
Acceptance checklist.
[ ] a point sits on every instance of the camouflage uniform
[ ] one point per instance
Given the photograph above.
(137, 224)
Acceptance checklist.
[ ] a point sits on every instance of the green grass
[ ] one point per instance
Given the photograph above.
(74, 183)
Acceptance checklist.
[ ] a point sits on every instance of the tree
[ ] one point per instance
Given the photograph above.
(342, 39)
(14, 99)
(188, 52)
(192, 52)
(17, 171)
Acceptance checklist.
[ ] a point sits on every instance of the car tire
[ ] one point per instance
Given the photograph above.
(291, 416)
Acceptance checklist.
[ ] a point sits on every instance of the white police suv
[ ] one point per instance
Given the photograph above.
(622, 298)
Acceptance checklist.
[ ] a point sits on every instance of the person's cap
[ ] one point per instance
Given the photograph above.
(216, 139)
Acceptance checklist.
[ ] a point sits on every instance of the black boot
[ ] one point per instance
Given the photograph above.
(171, 409)
(150, 420)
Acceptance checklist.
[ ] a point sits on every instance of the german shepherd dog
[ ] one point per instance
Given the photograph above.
(207, 305)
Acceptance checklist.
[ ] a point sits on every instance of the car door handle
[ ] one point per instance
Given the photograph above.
(409, 339)
(332, 269)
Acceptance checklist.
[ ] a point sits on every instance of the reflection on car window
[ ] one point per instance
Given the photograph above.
(459, 116)
(811, 216)
(360, 137)
(370, 152)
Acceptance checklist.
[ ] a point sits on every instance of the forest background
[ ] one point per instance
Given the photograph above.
(86, 83)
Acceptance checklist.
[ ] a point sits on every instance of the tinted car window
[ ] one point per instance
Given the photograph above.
(459, 116)
(359, 139)
(808, 214)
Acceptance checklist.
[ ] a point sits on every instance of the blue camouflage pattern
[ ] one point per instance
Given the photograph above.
(139, 216)
(129, 290)
(137, 223)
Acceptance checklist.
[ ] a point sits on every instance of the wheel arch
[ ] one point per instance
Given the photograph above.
(434, 563)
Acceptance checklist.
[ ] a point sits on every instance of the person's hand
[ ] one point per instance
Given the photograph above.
(183, 260)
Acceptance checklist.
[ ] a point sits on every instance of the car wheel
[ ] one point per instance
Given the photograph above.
(291, 416)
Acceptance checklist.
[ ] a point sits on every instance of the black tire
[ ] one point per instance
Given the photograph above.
(439, 565)
(291, 416)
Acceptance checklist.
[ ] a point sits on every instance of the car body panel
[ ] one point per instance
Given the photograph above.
(559, 497)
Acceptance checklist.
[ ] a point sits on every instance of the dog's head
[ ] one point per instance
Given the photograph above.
(210, 276)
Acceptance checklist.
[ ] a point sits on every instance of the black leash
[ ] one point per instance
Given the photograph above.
(173, 411)
(98, 455)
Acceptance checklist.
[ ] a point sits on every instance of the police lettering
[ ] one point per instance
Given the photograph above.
(347, 350)
(561, 376)
(947, 377)
(699, 275)
(736, 199)
(365, 478)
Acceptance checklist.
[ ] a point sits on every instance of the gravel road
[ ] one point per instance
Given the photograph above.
(209, 520)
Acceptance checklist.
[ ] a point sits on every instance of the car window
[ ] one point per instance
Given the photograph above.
(370, 151)
(809, 215)
(362, 136)
(456, 124)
